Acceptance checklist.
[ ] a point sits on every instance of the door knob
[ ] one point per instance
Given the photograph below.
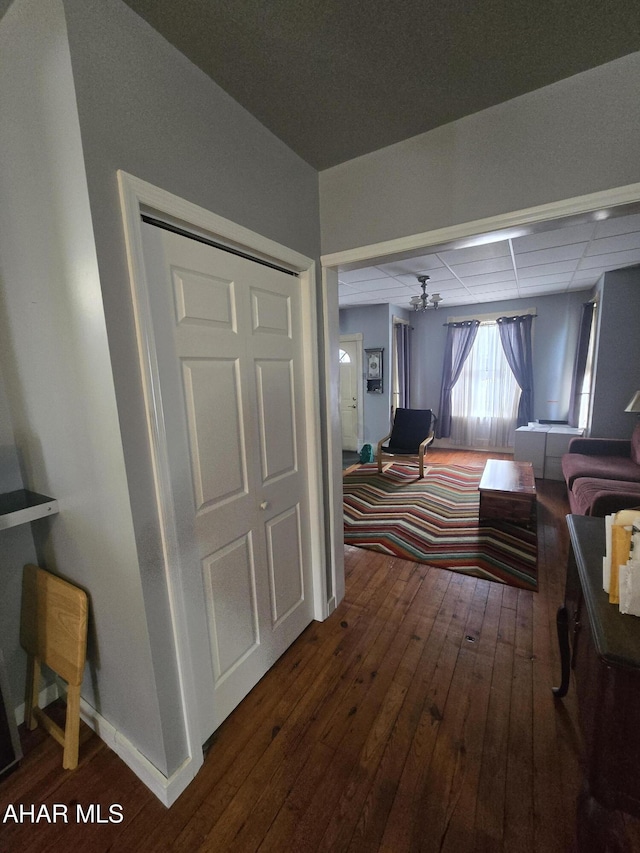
(264, 504)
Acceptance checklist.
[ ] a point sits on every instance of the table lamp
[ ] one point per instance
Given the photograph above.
(634, 403)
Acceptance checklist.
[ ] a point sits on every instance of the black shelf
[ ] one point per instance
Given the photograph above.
(22, 506)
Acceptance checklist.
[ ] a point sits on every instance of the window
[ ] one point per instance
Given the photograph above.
(345, 358)
(484, 400)
(400, 379)
(584, 392)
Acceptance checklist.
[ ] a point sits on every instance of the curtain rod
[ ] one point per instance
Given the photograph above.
(475, 320)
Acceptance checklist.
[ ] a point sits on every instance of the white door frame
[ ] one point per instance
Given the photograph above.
(415, 244)
(137, 196)
(357, 338)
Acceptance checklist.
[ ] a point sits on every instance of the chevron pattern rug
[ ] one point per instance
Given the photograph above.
(435, 521)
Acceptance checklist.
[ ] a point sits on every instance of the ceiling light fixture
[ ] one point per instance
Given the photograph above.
(424, 301)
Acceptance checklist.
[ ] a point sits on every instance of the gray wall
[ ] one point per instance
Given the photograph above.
(617, 357)
(577, 136)
(55, 358)
(16, 548)
(554, 343)
(555, 334)
(88, 88)
(145, 109)
(375, 324)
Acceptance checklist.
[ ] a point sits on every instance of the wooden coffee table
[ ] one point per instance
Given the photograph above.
(508, 492)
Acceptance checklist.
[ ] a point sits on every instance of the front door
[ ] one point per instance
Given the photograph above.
(350, 355)
(229, 351)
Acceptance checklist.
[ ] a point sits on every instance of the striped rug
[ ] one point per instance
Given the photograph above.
(435, 521)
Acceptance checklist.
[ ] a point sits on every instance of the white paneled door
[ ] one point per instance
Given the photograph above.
(229, 350)
(350, 355)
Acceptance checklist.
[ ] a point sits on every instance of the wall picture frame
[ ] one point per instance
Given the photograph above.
(375, 369)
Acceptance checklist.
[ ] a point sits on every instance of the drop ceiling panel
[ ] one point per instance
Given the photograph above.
(436, 276)
(493, 279)
(368, 274)
(618, 225)
(546, 280)
(612, 261)
(484, 252)
(413, 266)
(551, 239)
(491, 265)
(547, 269)
(569, 257)
(376, 286)
(549, 256)
(617, 243)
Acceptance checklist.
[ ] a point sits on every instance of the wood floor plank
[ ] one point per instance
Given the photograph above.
(380, 798)
(343, 766)
(437, 666)
(239, 784)
(241, 744)
(490, 804)
(358, 720)
(235, 815)
(518, 830)
(354, 804)
(449, 766)
(549, 806)
(419, 716)
(460, 821)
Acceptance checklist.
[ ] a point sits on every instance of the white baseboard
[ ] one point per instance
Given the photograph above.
(446, 444)
(166, 788)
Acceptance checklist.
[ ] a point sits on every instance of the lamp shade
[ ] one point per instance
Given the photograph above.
(634, 403)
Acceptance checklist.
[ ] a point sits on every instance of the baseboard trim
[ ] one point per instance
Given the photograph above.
(166, 788)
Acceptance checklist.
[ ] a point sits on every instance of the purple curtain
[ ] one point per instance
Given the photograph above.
(460, 338)
(515, 335)
(403, 332)
(580, 364)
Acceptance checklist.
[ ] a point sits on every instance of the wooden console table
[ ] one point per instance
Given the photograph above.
(603, 648)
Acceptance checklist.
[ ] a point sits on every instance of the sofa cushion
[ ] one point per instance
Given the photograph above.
(635, 444)
(593, 496)
(576, 465)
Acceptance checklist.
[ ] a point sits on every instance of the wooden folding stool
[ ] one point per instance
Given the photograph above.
(53, 631)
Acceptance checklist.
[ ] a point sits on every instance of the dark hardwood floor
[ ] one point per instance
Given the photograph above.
(419, 716)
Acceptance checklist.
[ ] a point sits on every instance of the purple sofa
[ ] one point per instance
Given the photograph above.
(603, 474)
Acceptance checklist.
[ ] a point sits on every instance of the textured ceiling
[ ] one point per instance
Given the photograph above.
(335, 79)
(554, 260)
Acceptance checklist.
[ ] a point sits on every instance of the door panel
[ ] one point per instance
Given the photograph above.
(276, 407)
(231, 597)
(284, 547)
(203, 299)
(216, 476)
(350, 393)
(271, 313)
(229, 352)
